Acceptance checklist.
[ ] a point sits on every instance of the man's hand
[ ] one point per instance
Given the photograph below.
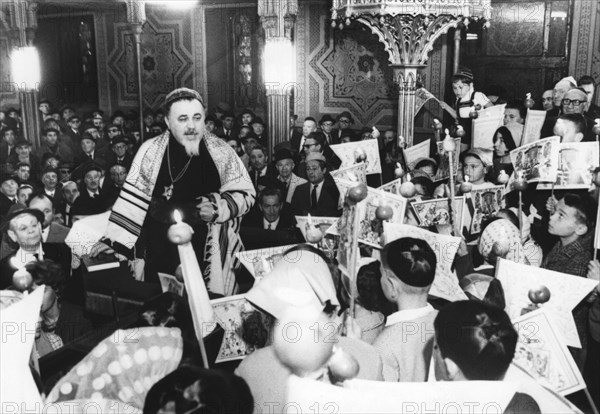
(100, 247)
(551, 204)
(206, 210)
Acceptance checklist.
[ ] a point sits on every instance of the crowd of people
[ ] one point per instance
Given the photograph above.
(217, 170)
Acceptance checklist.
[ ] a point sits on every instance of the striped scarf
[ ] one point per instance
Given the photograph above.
(236, 197)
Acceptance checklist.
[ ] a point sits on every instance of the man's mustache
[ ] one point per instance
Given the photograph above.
(190, 132)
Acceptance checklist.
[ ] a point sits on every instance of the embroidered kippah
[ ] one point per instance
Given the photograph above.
(182, 93)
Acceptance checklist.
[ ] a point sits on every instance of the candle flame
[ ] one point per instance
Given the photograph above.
(466, 178)
(528, 95)
(598, 121)
(177, 217)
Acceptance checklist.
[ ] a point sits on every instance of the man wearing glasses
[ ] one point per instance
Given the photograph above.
(344, 121)
(575, 102)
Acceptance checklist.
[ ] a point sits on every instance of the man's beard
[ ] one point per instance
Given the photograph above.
(192, 146)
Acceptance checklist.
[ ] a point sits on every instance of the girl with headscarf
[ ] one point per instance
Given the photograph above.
(504, 143)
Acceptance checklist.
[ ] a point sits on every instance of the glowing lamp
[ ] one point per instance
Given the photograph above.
(26, 68)
(279, 63)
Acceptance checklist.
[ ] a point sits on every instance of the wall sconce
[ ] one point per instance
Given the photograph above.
(279, 64)
(26, 68)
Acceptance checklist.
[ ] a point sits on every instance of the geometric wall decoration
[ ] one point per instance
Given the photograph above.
(342, 70)
(166, 56)
(517, 29)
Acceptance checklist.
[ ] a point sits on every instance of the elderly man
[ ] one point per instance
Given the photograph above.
(309, 127)
(284, 162)
(188, 170)
(70, 192)
(575, 102)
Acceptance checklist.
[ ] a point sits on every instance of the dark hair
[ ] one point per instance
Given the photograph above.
(586, 80)
(461, 78)
(199, 390)
(347, 133)
(507, 137)
(519, 105)
(425, 162)
(310, 118)
(41, 195)
(426, 183)
(577, 119)
(370, 293)
(47, 272)
(411, 260)
(585, 206)
(510, 216)
(270, 191)
(259, 147)
(317, 136)
(256, 328)
(477, 337)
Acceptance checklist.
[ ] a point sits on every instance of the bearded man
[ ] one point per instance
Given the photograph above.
(193, 171)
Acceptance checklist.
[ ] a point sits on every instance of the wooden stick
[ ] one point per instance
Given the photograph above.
(589, 398)
(521, 214)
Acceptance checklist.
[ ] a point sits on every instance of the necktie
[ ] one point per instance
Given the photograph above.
(269, 227)
(91, 157)
(313, 197)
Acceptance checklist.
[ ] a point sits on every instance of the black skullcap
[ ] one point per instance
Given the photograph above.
(283, 154)
(180, 94)
(411, 260)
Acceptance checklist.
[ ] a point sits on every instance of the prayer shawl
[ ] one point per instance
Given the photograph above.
(235, 198)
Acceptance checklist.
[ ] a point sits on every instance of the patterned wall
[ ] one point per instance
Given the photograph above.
(348, 70)
(168, 51)
(585, 42)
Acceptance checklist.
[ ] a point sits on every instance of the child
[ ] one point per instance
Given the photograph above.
(477, 342)
(514, 118)
(503, 145)
(406, 343)
(466, 100)
(571, 220)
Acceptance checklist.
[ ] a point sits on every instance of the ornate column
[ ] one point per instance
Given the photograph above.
(21, 18)
(136, 16)
(408, 31)
(279, 63)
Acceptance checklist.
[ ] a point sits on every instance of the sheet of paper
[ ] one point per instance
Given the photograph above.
(542, 352)
(412, 154)
(534, 121)
(486, 204)
(484, 129)
(445, 285)
(229, 313)
(366, 151)
(538, 161)
(437, 211)
(261, 261)
(576, 164)
(566, 291)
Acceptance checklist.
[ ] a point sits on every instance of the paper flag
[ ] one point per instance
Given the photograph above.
(19, 322)
(348, 254)
(422, 95)
(492, 112)
(261, 261)
(576, 164)
(356, 172)
(443, 171)
(548, 400)
(445, 285)
(392, 187)
(412, 154)
(486, 203)
(369, 231)
(229, 314)
(322, 223)
(537, 161)
(436, 211)
(366, 151)
(566, 291)
(362, 396)
(484, 129)
(534, 121)
(169, 283)
(543, 354)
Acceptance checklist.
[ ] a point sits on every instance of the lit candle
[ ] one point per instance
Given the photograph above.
(313, 234)
(180, 233)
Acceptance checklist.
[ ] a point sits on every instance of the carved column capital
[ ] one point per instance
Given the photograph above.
(278, 17)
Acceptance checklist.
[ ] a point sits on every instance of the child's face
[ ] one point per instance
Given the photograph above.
(460, 89)
(499, 146)
(473, 167)
(511, 116)
(564, 223)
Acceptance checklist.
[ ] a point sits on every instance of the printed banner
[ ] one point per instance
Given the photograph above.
(537, 161)
(576, 164)
(366, 151)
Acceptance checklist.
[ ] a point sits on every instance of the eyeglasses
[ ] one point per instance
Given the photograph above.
(308, 145)
(575, 102)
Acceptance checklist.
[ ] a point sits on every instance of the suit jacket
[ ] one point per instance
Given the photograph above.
(265, 179)
(113, 160)
(5, 205)
(63, 151)
(295, 181)
(220, 132)
(85, 205)
(255, 219)
(59, 253)
(327, 205)
(295, 141)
